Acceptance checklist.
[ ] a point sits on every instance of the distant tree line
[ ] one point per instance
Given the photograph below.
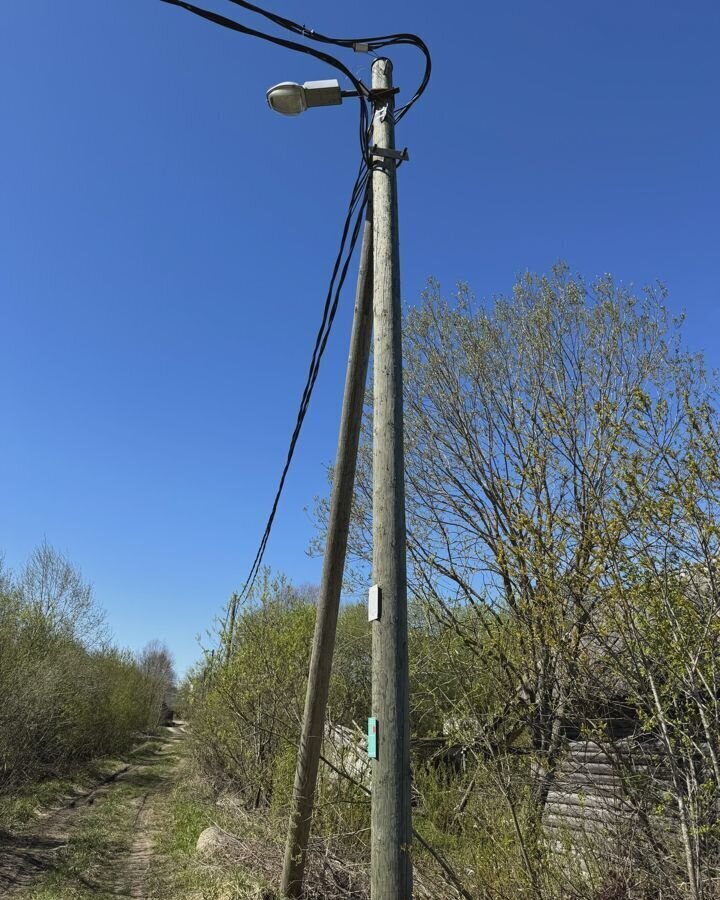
(68, 695)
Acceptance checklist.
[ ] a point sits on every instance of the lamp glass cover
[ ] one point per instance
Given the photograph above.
(287, 98)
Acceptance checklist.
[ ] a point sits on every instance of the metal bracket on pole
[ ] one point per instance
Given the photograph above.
(378, 94)
(390, 154)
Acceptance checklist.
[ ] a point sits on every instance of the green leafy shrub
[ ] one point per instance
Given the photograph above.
(68, 695)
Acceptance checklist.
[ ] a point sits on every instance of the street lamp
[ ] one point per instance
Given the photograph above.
(378, 303)
(291, 99)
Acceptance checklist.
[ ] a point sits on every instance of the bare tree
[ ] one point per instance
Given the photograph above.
(54, 588)
(157, 665)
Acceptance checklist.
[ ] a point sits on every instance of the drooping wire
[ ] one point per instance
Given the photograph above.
(232, 25)
(373, 44)
(356, 208)
(352, 229)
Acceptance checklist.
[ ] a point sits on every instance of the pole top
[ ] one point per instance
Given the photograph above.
(384, 66)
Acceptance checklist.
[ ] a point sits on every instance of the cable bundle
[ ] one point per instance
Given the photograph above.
(356, 206)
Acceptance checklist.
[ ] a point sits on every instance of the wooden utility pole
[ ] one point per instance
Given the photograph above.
(331, 584)
(391, 830)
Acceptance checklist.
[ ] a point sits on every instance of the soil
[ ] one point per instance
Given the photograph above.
(27, 856)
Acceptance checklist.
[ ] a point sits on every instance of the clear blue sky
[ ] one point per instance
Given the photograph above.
(165, 243)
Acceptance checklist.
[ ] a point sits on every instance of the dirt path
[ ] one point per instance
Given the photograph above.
(145, 828)
(141, 852)
(112, 825)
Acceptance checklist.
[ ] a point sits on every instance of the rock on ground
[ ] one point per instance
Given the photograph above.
(213, 841)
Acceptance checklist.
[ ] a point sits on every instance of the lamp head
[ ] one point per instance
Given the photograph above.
(291, 99)
(287, 98)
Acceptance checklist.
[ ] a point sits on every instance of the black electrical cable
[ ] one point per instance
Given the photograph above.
(358, 198)
(373, 43)
(232, 25)
(357, 207)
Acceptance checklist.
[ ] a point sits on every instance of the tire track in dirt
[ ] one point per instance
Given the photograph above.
(142, 851)
(33, 852)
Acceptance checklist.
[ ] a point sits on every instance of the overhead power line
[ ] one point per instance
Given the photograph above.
(357, 208)
(358, 198)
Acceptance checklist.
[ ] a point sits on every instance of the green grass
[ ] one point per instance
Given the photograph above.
(88, 866)
(181, 875)
(91, 866)
(20, 806)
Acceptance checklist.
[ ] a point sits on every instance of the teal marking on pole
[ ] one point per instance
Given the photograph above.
(372, 738)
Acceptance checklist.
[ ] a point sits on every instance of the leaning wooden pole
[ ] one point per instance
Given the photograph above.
(333, 566)
(391, 831)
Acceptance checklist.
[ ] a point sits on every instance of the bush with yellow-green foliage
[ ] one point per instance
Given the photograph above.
(68, 694)
(245, 706)
(563, 538)
(246, 701)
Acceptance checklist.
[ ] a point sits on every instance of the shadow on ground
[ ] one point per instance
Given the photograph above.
(27, 856)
